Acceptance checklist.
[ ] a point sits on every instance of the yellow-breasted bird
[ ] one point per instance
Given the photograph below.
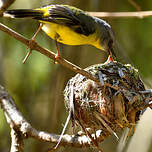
(70, 25)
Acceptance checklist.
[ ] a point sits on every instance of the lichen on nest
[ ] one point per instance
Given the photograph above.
(110, 106)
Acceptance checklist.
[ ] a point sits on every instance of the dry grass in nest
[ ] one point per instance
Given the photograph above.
(109, 107)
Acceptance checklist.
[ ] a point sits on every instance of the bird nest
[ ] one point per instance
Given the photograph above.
(109, 106)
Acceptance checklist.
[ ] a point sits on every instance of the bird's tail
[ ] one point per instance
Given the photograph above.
(22, 13)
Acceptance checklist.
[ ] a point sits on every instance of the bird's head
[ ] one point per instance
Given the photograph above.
(106, 36)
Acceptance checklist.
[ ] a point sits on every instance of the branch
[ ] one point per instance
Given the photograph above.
(17, 141)
(47, 53)
(139, 14)
(4, 4)
(21, 129)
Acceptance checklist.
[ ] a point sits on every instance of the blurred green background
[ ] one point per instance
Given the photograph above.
(37, 86)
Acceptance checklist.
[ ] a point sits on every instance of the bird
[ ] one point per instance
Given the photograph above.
(70, 25)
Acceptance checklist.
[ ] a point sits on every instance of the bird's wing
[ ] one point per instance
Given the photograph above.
(69, 16)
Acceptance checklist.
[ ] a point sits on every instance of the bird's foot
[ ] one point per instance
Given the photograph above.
(56, 57)
(58, 52)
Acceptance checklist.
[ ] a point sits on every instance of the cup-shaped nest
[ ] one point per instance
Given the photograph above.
(109, 106)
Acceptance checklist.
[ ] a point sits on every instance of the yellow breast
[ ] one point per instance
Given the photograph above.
(67, 36)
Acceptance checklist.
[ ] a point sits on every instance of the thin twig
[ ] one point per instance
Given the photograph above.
(139, 14)
(134, 4)
(31, 43)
